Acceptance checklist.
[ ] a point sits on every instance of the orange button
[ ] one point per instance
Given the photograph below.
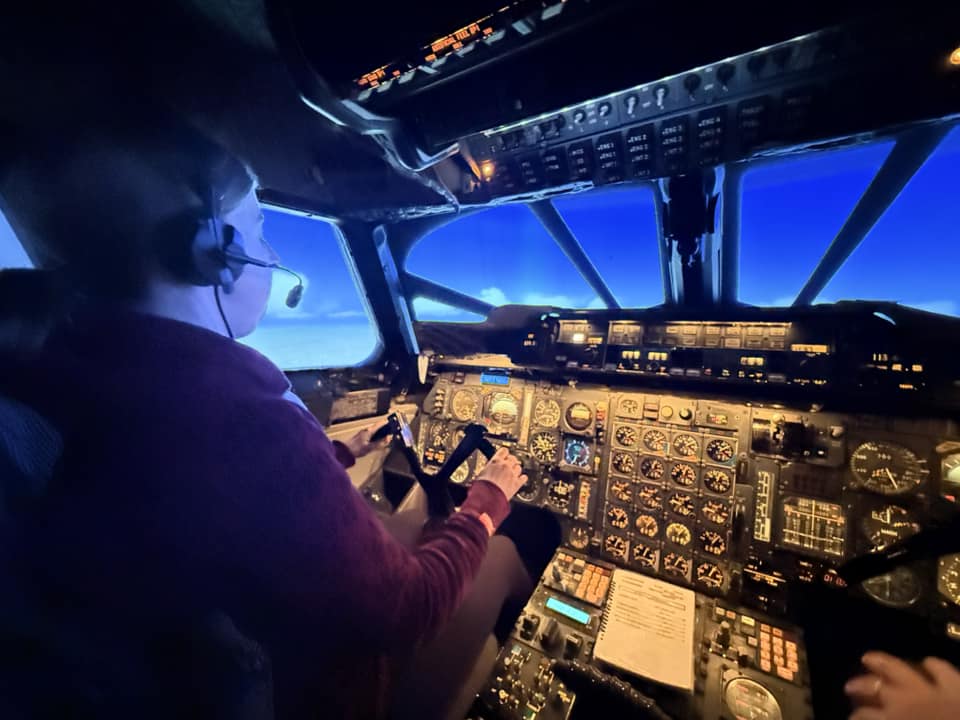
(793, 665)
(765, 654)
(731, 615)
(764, 627)
(785, 673)
(777, 632)
(766, 666)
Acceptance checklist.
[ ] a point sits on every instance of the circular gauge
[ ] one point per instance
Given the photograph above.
(679, 534)
(950, 472)
(579, 538)
(655, 441)
(529, 490)
(464, 405)
(629, 407)
(713, 542)
(544, 446)
(948, 578)
(617, 517)
(621, 490)
(887, 525)
(747, 698)
(458, 435)
(651, 468)
(623, 463)
(645, 557)
(439, 435)
(681, 504)
(886, 468)
(560, 493)
(579, 416)
(479, 462)
(717, 481)
(720, 451)
(649, 497)
(647, 525)
(684, 474)
(686, 446)
(676, 565)
(577, 453)
(547, 413)
(716, 511)
(626, 436)
(897, 589)
(503, 410)
(616, 546)
(710, 576)
(461, 474)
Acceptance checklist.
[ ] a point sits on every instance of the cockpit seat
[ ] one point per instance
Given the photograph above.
(54, 665)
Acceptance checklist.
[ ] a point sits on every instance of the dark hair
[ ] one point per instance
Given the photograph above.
(115, 203)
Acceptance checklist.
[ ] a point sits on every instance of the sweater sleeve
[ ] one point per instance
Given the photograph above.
(313, 546)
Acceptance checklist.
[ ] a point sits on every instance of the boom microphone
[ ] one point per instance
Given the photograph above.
(296, 292)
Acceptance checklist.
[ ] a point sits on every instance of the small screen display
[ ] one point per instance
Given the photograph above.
(568, 611)
(492, 379)
(814, 526)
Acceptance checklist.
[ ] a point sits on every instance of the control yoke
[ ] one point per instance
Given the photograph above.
(436, 486)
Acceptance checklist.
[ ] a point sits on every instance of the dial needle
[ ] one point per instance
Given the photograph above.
(892, 479)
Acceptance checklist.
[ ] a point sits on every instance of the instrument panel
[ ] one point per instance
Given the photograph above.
(733, 499)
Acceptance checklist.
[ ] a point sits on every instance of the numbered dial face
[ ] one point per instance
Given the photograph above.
(461, 474)
(651, 468)
(560, 493)
(679, 534)
(720, 451)
(647, 525)
(718, 481)
(464, 405)
(579, 538)
(529, 491)
(629, 407)
(887, 469)
(547, 413)
(710, 576)
(439, 436)
(716, 512)
(645, 557)
(898, 589)
(577, 453)
(948, 578)
(649, 497)
(713, 542)
(616, 546)
(579, 416)
(686, 446)
(621, 490)
(887, 525)
(623, 463)
(684, 474)
(617, 517)
(655, 441)
(681, 504)
(676, 565)
(544, 446)
(503, 411)
(627, 436)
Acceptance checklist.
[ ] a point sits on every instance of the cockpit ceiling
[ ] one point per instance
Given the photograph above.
(224, 66)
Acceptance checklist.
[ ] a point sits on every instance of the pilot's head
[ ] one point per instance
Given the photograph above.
(117, 205)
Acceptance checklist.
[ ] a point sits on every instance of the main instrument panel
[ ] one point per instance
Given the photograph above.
(732, 498)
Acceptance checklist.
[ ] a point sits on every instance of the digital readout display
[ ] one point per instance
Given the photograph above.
(493, 379)
(567, 610)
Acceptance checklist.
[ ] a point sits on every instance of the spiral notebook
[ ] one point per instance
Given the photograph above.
(647, 629)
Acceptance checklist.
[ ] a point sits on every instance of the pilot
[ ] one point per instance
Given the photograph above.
(192, 479)
(894, 690)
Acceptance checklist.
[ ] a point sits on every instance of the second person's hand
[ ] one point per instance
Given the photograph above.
(504, 471)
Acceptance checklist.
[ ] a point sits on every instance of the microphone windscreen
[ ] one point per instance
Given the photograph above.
(295, 295)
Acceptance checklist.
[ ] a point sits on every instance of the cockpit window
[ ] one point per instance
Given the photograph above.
(791, 210)
(502, 255)
(331, 326)
(618, 230)
(912, 255)
(12, 254)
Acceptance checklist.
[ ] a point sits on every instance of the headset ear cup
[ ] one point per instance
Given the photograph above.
(233, 248)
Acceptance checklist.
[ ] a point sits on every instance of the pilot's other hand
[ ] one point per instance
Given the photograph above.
(504, 471)
(895, 690)
(361, 445)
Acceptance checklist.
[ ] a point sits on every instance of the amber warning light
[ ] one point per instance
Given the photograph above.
(486, 169)
(955, 58)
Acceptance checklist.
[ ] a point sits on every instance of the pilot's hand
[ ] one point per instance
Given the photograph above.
(504, 471)
(895, 690)
(361, 445)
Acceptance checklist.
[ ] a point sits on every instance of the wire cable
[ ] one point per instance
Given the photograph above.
(223, 315)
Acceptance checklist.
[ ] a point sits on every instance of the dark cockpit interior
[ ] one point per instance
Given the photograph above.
(727, 503)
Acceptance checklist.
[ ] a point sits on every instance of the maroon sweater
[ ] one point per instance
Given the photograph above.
(189, 482)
